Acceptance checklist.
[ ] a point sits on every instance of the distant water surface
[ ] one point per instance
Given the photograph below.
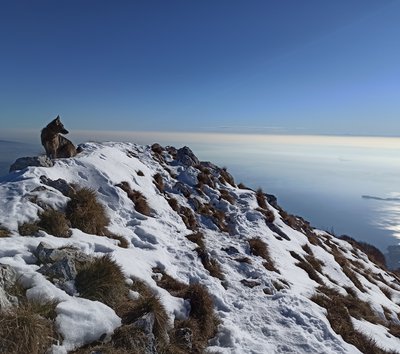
(321, 178)
(11, 150)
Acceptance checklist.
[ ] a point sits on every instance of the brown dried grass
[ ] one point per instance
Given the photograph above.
(55, 223)
(86, 213)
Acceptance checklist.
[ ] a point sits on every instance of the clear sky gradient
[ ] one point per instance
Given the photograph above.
(286, 67)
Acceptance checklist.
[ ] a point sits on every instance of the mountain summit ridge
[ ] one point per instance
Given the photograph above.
(277, 285)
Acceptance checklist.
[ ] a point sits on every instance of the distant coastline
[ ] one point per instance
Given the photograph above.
(380, 199)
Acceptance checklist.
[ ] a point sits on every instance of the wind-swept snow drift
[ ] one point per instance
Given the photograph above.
(277, 285)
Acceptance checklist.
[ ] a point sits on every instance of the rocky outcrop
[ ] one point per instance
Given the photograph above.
(59, 264)
(24, 162)
(186, 157)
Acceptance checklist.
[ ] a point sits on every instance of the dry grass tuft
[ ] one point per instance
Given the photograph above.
(131, 338)
(301, 225)
(127, 339)
(268, 214)
(197, 238)
(227, 177)
(188, 218)
(28, 228)
(224, 194)
(86, 213)
(260, 248)
(205, 178)
(108, 348)
(394, 329)
(24, 330)
(309, 270)
(202, 319)
(122, 241)
(139, 200)
(296, 256)
(260, 196)
(373, 253)
(338, 255)
(310, 265)
(4, 232)
(208, 263)
(173, 203)
(306, 248)
(315, 263)
(340, 309)
(101, 279)
(55, 223)
(174, 287)
(159, 182)
(218, 217)
(353, 277)
(145, 305)
(243, 186)
(388, 293)
(278, 285)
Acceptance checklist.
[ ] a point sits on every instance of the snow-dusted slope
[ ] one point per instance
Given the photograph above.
(262, 308)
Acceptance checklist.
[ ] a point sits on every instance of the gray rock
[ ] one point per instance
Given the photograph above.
(24, 162)
(146, 324)
(63, 269)
(59, 264)
(271, 199)
(157, 148)
(47, 254)
(172, 151)
(60, 184)
(8, 278)
(186, 157)
(182, 188)
(231, 250)
(184, 336)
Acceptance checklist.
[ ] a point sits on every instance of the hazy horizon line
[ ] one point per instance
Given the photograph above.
(32, 136)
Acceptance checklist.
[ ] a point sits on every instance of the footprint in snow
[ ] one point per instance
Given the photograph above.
(143, 245)
(79, 163)
(145, 236)
(132, 222)
(102, 249)
(82, 175)
(253, 216)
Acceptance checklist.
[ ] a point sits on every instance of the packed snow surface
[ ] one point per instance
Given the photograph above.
(274, 315)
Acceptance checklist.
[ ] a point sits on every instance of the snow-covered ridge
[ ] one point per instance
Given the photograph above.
(271, 300)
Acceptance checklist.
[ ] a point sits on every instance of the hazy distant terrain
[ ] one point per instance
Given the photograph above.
(11, 150)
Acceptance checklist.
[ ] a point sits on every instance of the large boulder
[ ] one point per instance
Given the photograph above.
(24, 162)
(186, 157)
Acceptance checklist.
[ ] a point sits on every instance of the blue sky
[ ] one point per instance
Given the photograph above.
(287, 67)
